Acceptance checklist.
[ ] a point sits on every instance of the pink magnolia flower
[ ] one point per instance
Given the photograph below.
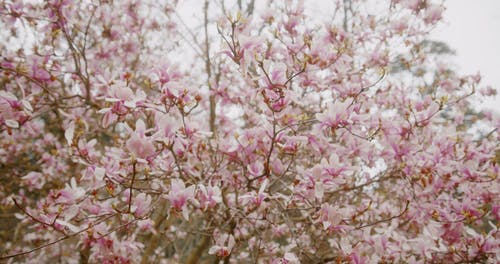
(180, 195)
(276, 71)
(330, 216)
(209, 196)
(140, 205)
(412, 4)
(121, 91)
(167, 127)
(223, 246)
(433, 13)
(319, 188)
(334, 167)
(123, 99)
(261, 195)
(249, 46)
(40, 73)
(336, 115)
(139, 144)
(87, 149)
(378, 58)
(71, 194)
(16, 11)
(147, 225)
(256, 168)
(13, 112)
(256, 198)
(495, 211)
(34, 180)
(400, 25)
(69, 133)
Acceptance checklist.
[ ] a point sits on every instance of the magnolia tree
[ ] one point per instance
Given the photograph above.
(254, 132)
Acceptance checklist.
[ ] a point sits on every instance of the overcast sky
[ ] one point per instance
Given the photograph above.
(472, 29)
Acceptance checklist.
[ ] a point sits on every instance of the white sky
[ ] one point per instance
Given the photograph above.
(472, 29)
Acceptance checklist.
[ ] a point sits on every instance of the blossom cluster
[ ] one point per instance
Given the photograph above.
(264, 134)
